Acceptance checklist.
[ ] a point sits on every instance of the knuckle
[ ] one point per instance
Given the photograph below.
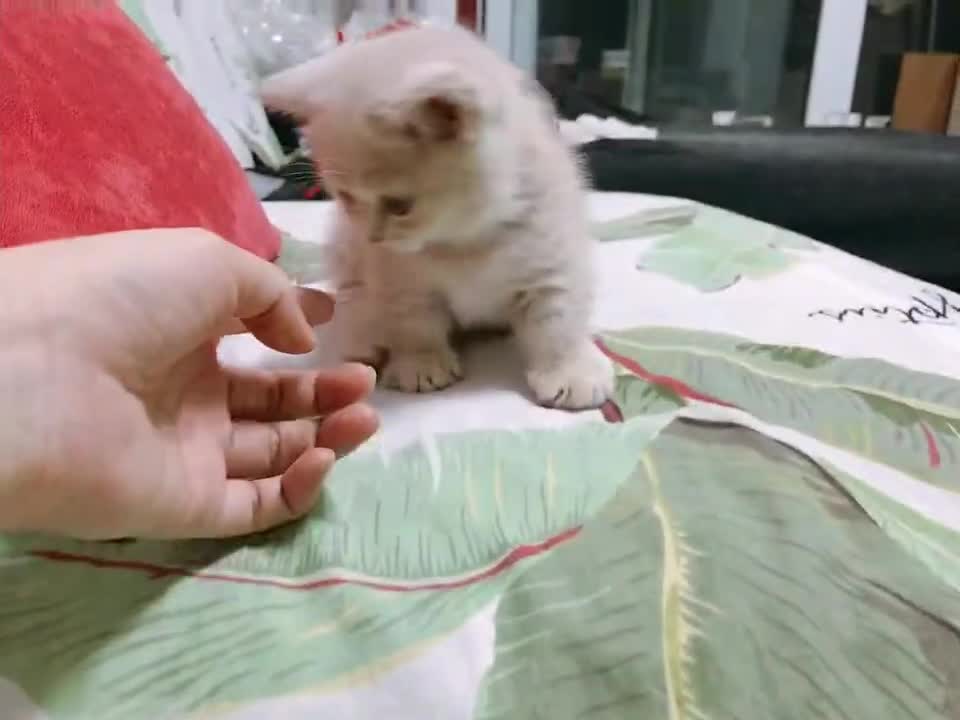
(274, 446)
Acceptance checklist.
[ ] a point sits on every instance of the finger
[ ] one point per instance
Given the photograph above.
(267, 303)
(249, 506)
(317, 306)
(347, 429)
(271, 395)
(259, 450)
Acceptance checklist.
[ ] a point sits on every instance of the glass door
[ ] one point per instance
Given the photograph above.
(690, 62)
(683, 61)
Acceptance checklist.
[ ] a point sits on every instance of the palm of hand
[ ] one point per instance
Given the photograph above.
(146, 434)
(125, 462)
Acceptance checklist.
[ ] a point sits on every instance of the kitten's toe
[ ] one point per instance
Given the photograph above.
(422, 371)
(582, 381)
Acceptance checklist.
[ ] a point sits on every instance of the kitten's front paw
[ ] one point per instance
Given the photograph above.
(584, 380)
(422, 371)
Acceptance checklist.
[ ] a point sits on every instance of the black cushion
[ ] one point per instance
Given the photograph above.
(890, 197)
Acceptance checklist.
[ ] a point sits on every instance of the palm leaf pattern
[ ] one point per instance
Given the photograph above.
(906, 419)
(403, 549)
(729, 577)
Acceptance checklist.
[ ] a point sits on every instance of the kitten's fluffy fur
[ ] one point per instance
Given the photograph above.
(460, 205)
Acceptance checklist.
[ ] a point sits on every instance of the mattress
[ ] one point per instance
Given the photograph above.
(762, 523)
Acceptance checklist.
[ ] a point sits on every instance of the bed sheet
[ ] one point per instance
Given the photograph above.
(762, 523)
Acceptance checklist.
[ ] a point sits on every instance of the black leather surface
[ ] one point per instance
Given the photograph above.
(893, 198)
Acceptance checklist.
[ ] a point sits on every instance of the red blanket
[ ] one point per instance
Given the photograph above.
(97, 135)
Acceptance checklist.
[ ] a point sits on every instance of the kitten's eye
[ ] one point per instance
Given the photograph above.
(397, 206)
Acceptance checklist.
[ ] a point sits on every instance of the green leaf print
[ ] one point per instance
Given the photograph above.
(636, 397)
(804, 357)
(905, 419)
(728, 578)
(697, 257)
(937, 546)
(402, 550)
(645, 223)
(719, 248)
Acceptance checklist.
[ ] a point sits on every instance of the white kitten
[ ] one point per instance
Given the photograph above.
(459, 203)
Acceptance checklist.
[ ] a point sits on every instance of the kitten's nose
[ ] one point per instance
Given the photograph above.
(375, 237)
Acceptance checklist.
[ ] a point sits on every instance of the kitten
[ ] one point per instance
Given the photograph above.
(459, 204)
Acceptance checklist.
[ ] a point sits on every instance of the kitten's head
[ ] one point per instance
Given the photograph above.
(403, 130)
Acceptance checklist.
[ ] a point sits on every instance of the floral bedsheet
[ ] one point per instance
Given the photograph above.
(763, 523)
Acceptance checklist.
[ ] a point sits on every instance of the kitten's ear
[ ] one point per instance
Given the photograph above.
(436, 103)
(294, 91)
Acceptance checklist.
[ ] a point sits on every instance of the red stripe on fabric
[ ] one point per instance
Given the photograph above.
(665, 381)
(156, 571)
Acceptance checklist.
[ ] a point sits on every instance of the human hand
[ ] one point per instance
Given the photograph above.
(117, 418)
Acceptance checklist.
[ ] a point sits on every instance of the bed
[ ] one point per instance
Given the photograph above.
(762, 523)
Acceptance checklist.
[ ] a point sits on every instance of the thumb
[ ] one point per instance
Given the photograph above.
(316, 305)
(267, 303)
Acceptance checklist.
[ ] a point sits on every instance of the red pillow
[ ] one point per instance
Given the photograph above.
(97, 135)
